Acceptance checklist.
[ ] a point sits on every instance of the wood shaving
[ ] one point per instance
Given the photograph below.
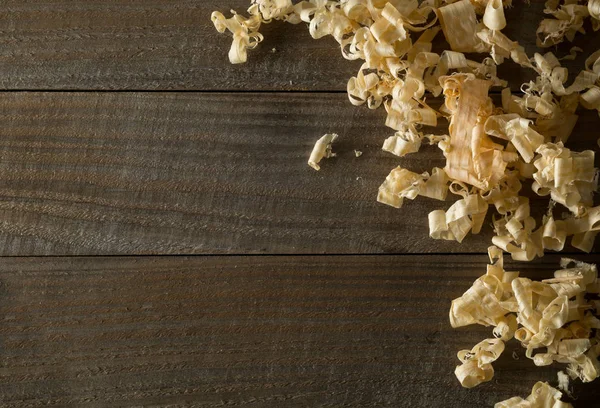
(459, 23)
(493, 18)
(568, 177)
(402, 183)
(476, 364)
(464, 216)
(568, 20)
(322, 150)
(244, 30)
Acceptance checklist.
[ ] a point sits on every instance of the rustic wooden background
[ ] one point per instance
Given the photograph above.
(165, 244)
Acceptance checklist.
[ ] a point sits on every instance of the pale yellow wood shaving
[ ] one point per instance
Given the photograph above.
(555, 118)
(586, 367)
(572, 54)
(470, 374)
(436, 185)
(493, 18)
(568, 177)
(568, 20)
(245, 34)
(554, 233)
(472, 157)
(398, 185)
(476, 364)
(517, 130)
(589, 222)
(403, 143)
(506, 328)
(591, 98)
(462, 217)
(584, 240)
(594, 10)
(592, 63)
(459, 24)
(322, 149)
(402, 183)
(515, 231)
(502, 47)
(482, 303)
(573, 347)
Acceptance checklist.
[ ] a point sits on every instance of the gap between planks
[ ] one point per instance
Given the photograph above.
(291, 254)
(492, 93)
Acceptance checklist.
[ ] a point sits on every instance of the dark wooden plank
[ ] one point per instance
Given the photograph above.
(161, 44)
(160, 173)
(268, 331)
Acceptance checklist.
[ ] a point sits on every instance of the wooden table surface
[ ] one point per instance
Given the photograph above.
(165, 244)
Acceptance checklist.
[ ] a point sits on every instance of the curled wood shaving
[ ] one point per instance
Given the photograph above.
(569, 177)
(515, 233)
(568, 20)
(494, 15)
(402, 183)
(459, 23)
(464, 216)
(594, 10)
(517, 130)
(472, 157)
(485, 302)
(322, 150)
(590, 99)
(502, 47)
(244, 30)
(403, 142)
(398, 185)
(476, 364)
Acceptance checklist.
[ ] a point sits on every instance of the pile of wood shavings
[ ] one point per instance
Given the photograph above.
(490, 151)
(554, 320)
(542, 396)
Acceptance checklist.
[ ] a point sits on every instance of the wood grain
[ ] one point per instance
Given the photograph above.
(323, 331)
(198, 173)
(171, 45)
(216, 173)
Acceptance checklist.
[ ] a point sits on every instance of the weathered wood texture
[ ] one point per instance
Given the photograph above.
(215, 173)
(160, 44)
(288, 331)
(183, 173)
